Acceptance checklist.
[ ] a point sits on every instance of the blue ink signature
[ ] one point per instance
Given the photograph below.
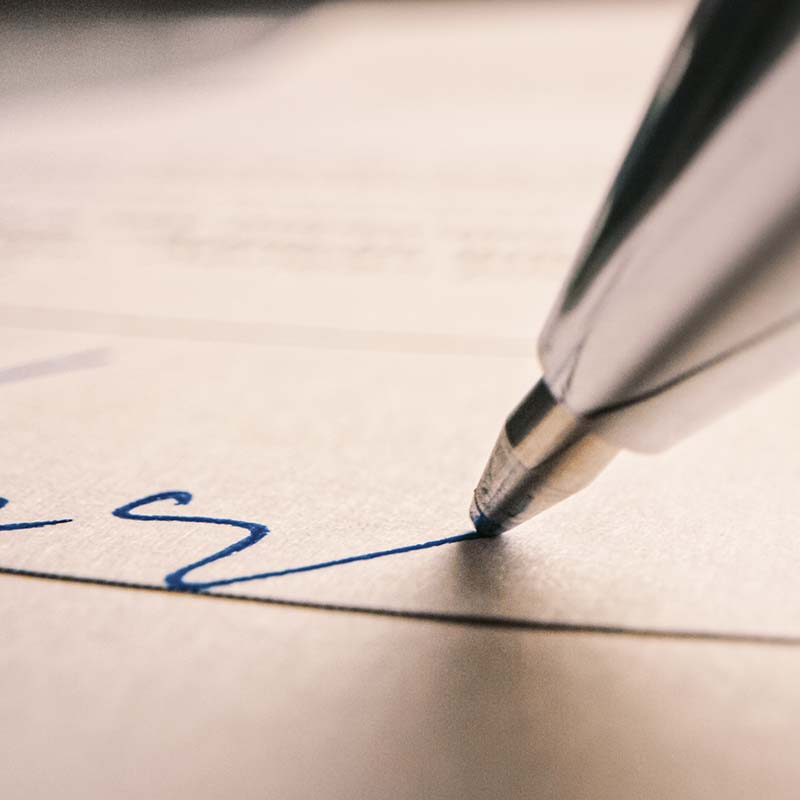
(256, 532)
(19, 526)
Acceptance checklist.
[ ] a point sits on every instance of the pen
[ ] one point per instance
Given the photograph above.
(685, 296)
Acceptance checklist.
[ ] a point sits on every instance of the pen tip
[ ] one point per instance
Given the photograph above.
(483, 525)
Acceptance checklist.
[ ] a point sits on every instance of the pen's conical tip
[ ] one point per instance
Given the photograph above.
(483, 525)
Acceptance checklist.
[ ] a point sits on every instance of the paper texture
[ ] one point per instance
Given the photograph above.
(302, 284)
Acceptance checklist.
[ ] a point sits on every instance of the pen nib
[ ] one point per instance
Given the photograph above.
(483, 525)
(543, 454)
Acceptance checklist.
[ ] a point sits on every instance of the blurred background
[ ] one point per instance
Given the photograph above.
(430, 156)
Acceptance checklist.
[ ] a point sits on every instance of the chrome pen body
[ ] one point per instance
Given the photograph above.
(685, 297)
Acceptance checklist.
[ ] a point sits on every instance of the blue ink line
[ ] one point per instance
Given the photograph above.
(461, 537)
(19, 526)
(176, 580)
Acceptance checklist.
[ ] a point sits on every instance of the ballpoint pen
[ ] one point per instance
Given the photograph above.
(685, 296)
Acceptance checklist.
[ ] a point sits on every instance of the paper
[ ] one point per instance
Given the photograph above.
(298, 289)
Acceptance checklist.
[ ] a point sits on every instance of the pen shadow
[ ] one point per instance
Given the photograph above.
(480, 565)
(482, 714)
(502, 715)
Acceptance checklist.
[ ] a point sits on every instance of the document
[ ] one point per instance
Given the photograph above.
(263, 315)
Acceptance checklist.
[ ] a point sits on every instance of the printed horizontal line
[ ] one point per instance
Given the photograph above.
(262, 333)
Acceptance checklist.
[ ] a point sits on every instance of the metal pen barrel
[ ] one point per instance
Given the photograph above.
(685, 298)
